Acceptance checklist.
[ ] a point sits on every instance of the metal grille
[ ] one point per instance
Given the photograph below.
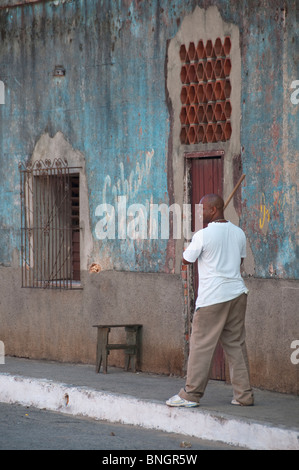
(50, 225)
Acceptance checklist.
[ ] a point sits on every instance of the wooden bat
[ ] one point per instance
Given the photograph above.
(234, 190)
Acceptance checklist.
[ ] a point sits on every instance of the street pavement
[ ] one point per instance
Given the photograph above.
(138, 399)
(27, 428)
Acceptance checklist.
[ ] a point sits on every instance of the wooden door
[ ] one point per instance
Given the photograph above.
(206, 177)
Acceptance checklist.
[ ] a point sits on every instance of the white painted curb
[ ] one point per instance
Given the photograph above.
(81, 401)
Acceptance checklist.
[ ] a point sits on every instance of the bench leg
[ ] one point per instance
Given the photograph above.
(127, 361)
(133, 355)
(138, 347)
(102, 353)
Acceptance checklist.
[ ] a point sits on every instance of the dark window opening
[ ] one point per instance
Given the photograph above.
(50, 231)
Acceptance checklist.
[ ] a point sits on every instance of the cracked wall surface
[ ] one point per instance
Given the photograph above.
(116, 109)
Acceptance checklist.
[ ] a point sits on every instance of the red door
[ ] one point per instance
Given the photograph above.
(206, 177)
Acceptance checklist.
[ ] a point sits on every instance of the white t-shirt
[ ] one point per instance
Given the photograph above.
(219, 248)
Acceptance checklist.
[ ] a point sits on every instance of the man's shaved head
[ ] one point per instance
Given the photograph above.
(213, 207)
(213, 200)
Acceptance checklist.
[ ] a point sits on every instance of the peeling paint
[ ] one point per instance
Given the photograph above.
(113, 106)
(117, 107)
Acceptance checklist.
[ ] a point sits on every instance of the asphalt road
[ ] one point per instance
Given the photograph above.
(23, 428)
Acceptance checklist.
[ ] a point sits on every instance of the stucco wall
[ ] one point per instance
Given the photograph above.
(116, 110)
(56, 325)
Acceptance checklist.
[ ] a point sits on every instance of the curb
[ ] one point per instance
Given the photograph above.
(199, 423)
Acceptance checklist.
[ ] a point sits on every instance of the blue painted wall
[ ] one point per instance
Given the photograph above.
(270, 141)
(112, 106)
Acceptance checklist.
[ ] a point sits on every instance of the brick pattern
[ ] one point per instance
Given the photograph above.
(205, 93)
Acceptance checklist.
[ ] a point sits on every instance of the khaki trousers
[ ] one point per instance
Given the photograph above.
(225, 322)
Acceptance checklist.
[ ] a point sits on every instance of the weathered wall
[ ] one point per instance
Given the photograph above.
(204, 24)
(272, 326)
(270, 140)
(108, 103)
(262, 138)
(117, 110)
(56, 325)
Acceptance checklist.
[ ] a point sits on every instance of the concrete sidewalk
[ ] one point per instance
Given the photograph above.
(139, 399)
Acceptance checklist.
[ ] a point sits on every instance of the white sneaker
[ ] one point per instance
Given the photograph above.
(176, 400)
(235, 402)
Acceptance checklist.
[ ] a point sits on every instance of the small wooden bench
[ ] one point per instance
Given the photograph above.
(131, 347)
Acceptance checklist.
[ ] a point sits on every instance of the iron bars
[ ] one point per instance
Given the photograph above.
(50, 228)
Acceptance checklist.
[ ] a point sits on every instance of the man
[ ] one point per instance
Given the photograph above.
(219, 249)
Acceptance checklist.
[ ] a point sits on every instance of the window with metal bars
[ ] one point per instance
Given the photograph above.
(50, 230)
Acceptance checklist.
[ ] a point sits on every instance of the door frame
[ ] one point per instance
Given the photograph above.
(190, 307)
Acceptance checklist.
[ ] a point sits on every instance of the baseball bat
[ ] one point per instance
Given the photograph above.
(234, 191)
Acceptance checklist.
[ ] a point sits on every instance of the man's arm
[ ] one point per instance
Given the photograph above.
(193, 250)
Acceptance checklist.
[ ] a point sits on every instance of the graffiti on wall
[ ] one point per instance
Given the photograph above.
(121, 216)
(264, 217)
(273, 209)
(130, 186)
